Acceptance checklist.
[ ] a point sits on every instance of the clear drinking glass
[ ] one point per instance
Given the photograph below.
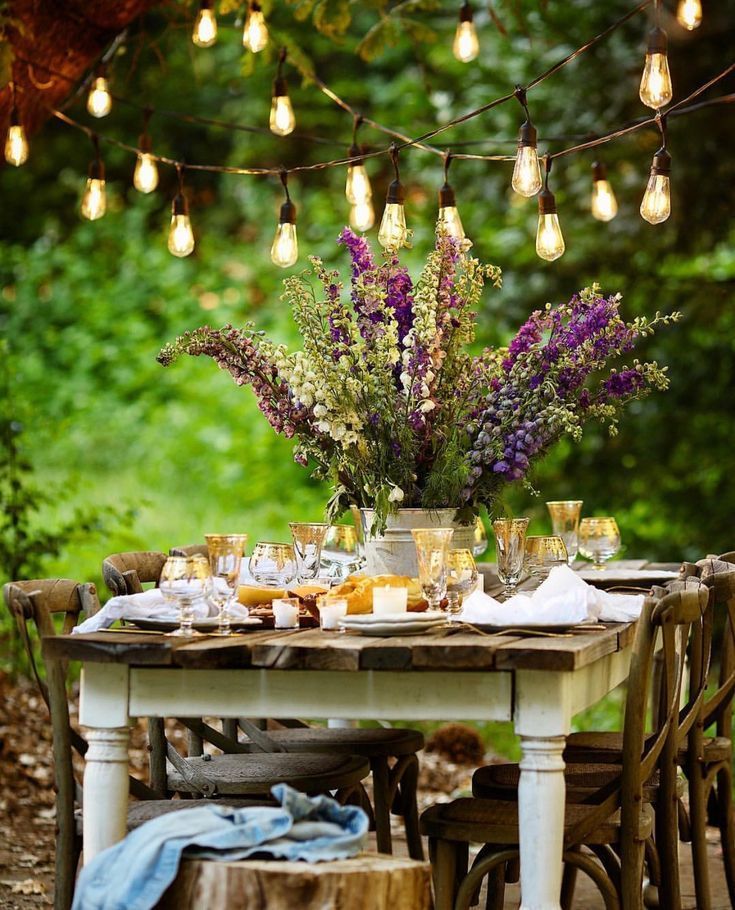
(510, 541)
(542, 554)
(273, 564)
(308, 539)
(339, 552)
(432, 547)
(225, 559)
(480, 541)
(461, 578)
(565, 523)
(184, 580)
(599, 540)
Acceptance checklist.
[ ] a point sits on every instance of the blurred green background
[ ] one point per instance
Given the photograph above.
(92, 422)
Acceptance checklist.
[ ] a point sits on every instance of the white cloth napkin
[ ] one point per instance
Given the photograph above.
(563, 598)
(149, 605)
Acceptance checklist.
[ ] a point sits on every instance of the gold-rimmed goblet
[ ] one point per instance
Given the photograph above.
(308, 539)
(542, 554)
(273, 564)
(461, 577)
(225, 559)
(599, 540)
(565, 523)
(510, 542)
(339, 551)
(185, 580)
(432, 548)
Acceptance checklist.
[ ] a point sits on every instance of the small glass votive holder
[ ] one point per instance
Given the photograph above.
(286, 612)
(389, 600)
(331, 610)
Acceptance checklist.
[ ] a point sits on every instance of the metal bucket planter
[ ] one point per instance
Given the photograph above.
(393, 552)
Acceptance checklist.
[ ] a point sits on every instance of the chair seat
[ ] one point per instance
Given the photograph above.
(491, 821)
(238, 774)
(715, 749)
(607, 748)
(143, 811)
(381, 741)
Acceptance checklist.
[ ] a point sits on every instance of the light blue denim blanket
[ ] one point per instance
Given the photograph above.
(133, 874)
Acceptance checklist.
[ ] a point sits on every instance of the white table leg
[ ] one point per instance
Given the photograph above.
(105, 789)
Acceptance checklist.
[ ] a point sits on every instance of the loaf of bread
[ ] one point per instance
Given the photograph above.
(358, 591)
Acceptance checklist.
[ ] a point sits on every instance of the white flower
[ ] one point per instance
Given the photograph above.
(427, 406)
(405, 380)
(396, 495)
(320, 411)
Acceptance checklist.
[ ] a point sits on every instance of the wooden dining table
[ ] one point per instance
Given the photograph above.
(537, 682)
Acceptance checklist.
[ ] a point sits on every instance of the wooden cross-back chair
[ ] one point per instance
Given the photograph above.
(614, 820)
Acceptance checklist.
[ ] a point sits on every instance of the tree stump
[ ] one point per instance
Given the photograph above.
(366, 882)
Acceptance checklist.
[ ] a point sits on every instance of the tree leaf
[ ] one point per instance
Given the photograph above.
(385, 33)
(417, 30)
(332, 17)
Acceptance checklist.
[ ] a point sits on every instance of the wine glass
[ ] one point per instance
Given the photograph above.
(184, 580)
(480, 538)
(225, 558)
(273, 564)
(542, 554)
(599, 540)
(308, 538)
(565, 523)
(432, 547)
(339, 552)
(461, 577)
(510, 541)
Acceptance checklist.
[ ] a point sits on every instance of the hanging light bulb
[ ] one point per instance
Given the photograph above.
(449, 220)
(285, 247)
(205, 25)
(94, 198)
(255, 34)
(16, 143)
(180, 233)
(526, 180)
(282, 120)
(466, 46)
(604, 203)
(145, 176)
(549, 239)
(656, 90)
(393, 234)
(689, 14)
(362, 215)
(99, 100)
(357, 186)
(656, 204)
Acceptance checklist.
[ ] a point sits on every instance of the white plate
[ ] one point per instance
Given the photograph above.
(370, 619)
(386, 630)
(400, 624)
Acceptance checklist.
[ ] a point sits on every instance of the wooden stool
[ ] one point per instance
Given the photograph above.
(365, 882)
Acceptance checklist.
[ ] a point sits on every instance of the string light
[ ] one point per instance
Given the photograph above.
(255, 33)
(94, 198)
(689, 14)
(393, 234)
(358, 190)
(99, 100)
(604, 204)
(16, 142)
(526, 179)
(180, 233)
(656, 203)
(549, 239)
(285, 247)
(449, 220)
(205, 25)
(362, 216)
(282, 119)
(145, 176)
(656, 90)
(466, 45)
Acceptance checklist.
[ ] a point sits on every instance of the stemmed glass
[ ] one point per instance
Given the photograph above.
(565, 523)
(432, 548)
(183, 581)
(225, 558)
(542, 554)
(461, 577)
(308, 538)
(339, 552)
(273, 564)
(599, 540)
(510, 541)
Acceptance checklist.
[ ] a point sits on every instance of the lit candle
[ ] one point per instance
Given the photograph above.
(331, 610)
(389, 600)
(286, 612)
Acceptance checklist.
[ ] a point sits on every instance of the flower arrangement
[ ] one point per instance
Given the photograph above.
(387, 400)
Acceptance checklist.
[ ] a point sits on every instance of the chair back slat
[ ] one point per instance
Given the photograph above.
(194, 549)
(126, 573)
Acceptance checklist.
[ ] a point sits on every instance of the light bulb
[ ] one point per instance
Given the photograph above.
(362, 215)
(180, 234)
(99, 102)
(255, 34)
(16, 145)
(282, 120)
(656, 204)
(604, 204)
(392, 234)
(526, 179)
(285, 248)
(145, 177)
(357, 186)
(449, 220)
(466, 45)
(205, 26)
(689, 14)
(549, 239)
(94, 200)
(656, 90)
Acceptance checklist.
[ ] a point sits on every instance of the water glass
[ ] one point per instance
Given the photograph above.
(599, 540)
(432, 548)
(510, 542)
(340, 556)
(184, 580)
(273, 564)
(461, 578)
(225, 559)
(565, 523)
(543, 554)
(308, 539)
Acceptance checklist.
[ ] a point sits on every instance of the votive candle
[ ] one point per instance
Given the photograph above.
(389, 600)
(331, 610)
(286, 612)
